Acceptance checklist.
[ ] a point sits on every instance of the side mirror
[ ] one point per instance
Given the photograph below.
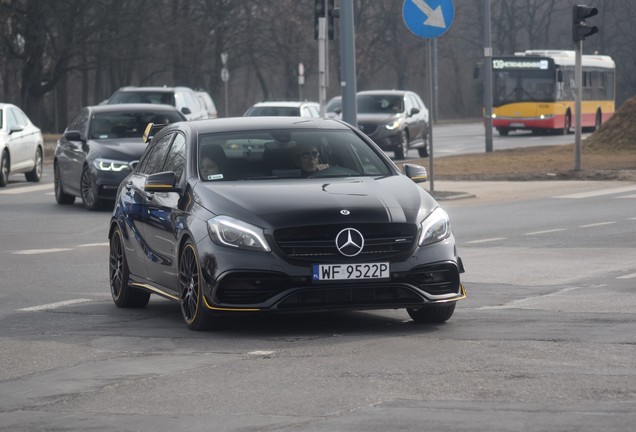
(73, 135)
(133, 164)
(414, 111)
(416, 173)
(186, 110)
(338, 111)
(161, 182)
(16, 128)
(559, 75)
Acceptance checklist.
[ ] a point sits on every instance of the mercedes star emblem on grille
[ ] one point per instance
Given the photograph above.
(349, 242)
(345, 212)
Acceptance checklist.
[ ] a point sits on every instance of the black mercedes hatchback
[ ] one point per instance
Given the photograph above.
(279, 214)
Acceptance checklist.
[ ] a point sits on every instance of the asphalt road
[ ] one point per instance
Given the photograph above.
(545, 340)
(462, 138)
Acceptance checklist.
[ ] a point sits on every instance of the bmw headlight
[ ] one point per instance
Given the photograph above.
(110, 165)
(227, 231)
(395, 124)
(436, 227)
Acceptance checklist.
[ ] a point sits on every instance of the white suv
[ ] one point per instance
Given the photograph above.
(292, 109)
(184, 98)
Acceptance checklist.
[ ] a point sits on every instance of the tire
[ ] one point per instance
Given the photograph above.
(124, 296)
(60, 196)
(87, 189)
(423, 151)
(193, 309)
(434, 313)
(503, 131)
(35, 175)
(4, 168)
(402, 150)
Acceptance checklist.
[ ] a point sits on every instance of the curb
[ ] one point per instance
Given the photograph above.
(448, 196)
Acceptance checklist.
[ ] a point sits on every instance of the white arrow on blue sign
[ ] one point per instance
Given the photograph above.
(428, 18)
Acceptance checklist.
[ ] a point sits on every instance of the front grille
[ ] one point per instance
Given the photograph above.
(251, 288)
(381, 241)
(368, 128)
(351, 297)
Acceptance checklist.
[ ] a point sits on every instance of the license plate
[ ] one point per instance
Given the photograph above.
(517, 125)
(327, 272)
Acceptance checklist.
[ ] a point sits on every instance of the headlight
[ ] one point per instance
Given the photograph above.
(436, 227)
(231, 232)
(110, 165)
(395, 124)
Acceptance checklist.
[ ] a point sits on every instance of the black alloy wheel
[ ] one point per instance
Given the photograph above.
(35, 175)
(124, 296)
(60, 196)
(87, 189)
(433, 313)
(193, 309)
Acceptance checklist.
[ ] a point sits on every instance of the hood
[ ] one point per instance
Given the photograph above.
(318, 201)
(121, 149)
(377, 118)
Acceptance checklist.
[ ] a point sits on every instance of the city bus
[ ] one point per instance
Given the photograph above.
(535, 90)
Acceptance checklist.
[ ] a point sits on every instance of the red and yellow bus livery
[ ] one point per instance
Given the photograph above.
(535, 90)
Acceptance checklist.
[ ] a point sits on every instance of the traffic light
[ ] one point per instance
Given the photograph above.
(320, 12)
(580, 30)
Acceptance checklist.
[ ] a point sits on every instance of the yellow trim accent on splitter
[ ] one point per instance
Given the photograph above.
(156, 290)
(209, 306)
(462, 296)
(159, 186)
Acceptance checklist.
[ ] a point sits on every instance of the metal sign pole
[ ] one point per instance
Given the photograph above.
(322, 65)
(431, 104)
(578, 75)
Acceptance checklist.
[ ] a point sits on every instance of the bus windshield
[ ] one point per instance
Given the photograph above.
(523, 86)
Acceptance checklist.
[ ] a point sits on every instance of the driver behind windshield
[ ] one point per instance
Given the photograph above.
(307, 157)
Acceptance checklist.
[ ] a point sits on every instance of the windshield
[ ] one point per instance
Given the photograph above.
(334, 104)
(279, 154)
(166, 98)
(380, 104)
(523, 86)
(273, 111)
(109, 125)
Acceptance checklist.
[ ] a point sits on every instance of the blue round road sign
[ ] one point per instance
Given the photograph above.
(428, 18)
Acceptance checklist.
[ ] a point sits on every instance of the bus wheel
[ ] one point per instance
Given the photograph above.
(599, 121)
(503, 131)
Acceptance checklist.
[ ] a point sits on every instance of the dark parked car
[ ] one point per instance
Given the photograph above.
(92, 157)
(183, 98)
(395, 120)
(303, 215)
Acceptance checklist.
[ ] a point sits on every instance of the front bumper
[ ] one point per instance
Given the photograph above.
(236, 281)
(107, 183)
(386, 139)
